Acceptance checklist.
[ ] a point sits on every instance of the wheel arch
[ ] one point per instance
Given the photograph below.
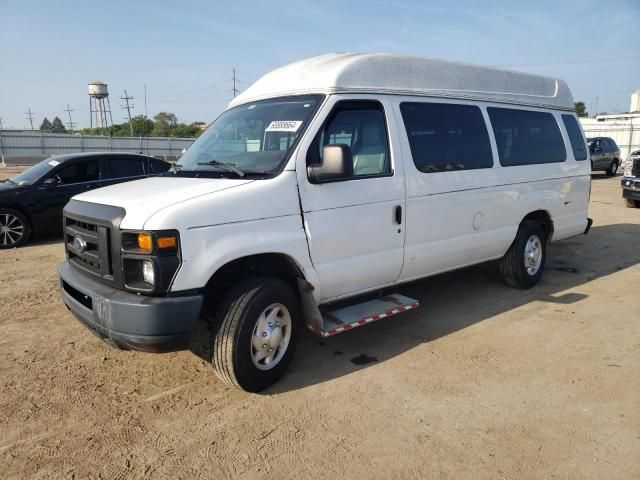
(542, 217)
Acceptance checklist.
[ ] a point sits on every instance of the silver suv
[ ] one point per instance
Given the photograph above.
(605, 155)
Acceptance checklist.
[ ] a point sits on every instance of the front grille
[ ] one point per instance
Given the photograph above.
(88, 245)
(635, 168)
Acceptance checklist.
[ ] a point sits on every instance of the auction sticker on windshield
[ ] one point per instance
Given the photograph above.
(284, 126)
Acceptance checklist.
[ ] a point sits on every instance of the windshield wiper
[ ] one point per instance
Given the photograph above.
(228, 166)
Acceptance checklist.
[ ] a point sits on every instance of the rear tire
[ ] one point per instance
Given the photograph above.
(631, 203)
(613, 169)
(257, 331)
(523, 264)
(14, 228)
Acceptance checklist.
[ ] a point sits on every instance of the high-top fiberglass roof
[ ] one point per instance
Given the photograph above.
(408, 75)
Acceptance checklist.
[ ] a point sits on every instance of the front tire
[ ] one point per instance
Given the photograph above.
(613, 169)
(631, 203)
(523, 264)
(14, 228)
(257, 331)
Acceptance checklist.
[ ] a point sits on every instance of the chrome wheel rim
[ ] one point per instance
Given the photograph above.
(533, 255)
(11, 229)
(614, 168)
(271, 336)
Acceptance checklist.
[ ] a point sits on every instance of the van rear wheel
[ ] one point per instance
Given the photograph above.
(523, 264)
(257, 331)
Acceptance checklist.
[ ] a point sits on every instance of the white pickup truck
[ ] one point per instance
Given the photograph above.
(328, 179)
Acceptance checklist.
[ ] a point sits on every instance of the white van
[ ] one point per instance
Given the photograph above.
(328, 179)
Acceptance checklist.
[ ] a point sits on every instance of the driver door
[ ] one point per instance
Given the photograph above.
(71, 178)
(355, 226)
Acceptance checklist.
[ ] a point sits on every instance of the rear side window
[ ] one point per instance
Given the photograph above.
(158, 166)
(122, 167)
(446, 137)
(524, 137)
(575, 137)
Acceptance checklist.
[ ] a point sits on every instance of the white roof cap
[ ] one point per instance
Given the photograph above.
(407, 75)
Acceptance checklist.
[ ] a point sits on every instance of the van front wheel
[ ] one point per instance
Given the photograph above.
(523, 264)
(257, 330)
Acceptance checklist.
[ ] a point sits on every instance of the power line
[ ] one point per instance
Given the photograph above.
(71, 124)
(583, 61)
(30, 115)
(128, 108)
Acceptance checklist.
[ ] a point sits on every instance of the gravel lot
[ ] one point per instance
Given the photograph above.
(482, 381)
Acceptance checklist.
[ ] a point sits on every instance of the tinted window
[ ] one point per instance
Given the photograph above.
(158, 166)
(120, 167)
(611, 145)
(82, 171)
(360, 126)
(524, 137)
(575, 137)
(445, 137)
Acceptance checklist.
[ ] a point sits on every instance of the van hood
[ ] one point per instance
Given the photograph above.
(142, 198)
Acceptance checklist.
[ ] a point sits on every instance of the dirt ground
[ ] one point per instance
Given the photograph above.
(482, 381)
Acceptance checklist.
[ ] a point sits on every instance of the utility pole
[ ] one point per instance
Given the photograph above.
(70, 124)
(235, 90)
(145, 100)
(30, 115)
(128, 108)
(2, 146)
(596, 107)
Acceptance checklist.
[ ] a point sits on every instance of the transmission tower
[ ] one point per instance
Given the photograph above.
(128, 108)
(71, 124)
(234, 79)
(30, 115)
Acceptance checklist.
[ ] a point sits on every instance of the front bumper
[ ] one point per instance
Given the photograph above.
(630, 188)
(127, 320)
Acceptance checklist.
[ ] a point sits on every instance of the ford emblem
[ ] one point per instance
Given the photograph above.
(80, 244)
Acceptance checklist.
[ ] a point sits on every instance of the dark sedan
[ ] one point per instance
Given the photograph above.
(31, 203)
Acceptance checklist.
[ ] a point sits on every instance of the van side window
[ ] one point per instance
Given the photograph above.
(446, 137)
(525, 137)
(361, 126)
(575, 137)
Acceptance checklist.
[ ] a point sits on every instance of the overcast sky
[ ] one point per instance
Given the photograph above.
(184, 51)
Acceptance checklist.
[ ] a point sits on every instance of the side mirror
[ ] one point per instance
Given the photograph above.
(337, 164)
(52, 181)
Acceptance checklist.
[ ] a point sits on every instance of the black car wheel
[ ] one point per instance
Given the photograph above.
(613, 169)
(14, 228)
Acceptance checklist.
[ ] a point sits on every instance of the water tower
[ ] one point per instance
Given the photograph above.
(99, 106)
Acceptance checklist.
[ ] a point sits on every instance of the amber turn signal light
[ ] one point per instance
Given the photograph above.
(145, 242)
(167, 242)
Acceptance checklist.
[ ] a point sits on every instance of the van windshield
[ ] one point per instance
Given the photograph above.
(253, 138)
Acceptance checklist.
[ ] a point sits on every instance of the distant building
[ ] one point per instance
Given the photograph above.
(635, 102)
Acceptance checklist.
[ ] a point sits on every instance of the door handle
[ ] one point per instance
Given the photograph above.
(398, 214)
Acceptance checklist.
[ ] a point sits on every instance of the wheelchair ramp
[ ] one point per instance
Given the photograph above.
(346, 318)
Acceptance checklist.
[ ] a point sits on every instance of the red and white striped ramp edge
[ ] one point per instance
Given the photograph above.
(353, 316)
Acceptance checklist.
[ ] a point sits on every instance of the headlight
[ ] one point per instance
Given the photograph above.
(150, 260)
(148, 274)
